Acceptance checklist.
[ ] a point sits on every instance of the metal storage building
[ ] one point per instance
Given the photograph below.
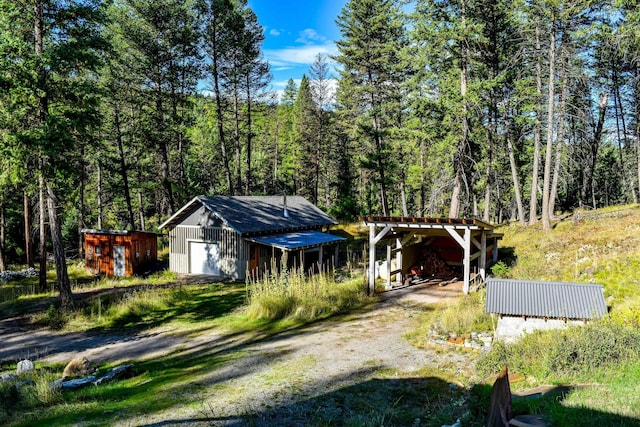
(228, 236)
(526, 305)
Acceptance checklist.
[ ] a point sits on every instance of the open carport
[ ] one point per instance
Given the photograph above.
(469, 244)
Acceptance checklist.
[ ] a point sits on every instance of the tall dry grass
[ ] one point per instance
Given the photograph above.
(292, 293)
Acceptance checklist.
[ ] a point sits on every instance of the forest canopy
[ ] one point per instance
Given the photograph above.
(114, 113)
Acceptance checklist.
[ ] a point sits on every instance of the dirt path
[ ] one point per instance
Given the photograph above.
(274, 371)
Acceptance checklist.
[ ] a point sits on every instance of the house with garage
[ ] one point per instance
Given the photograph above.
(523, 306)
(232, 236)
(119, 253)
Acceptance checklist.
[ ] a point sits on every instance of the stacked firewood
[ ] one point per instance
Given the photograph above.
(432, 265)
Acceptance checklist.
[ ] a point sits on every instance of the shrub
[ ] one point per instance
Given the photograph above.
(575, 351)
(9, 399)
(27, 394)
(500, 270)
(55, 318)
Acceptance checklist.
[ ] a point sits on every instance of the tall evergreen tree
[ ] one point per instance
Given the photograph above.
(159, 39)
(50, 54)
(373, 34)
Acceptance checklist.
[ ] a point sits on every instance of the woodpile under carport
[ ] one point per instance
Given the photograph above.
(431, 265)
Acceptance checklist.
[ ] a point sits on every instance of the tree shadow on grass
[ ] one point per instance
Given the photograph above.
(507, 255)
(353, 399)
(550, 406)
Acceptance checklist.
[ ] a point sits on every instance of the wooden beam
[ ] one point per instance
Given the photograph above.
(483, 256)
(377, 237)
(457, 237)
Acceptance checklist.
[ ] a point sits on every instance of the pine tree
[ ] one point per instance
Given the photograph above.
(50, 54)
(373, 34)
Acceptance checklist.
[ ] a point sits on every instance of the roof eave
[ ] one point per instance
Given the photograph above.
(180, 212)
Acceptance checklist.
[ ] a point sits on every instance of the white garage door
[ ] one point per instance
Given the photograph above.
(204, 258)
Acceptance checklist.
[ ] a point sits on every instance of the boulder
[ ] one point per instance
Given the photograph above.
(78, 367)
(8, 378)
(24, 367)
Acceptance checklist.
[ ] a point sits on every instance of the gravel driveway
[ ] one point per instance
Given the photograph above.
(274, 371)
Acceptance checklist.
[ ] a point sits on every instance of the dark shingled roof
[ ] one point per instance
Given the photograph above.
(258, 214)
(553, 300)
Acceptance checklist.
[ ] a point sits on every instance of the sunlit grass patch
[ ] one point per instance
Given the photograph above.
(289, 293)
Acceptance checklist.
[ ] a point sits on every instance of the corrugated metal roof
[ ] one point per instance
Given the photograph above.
(557, 300)
(258, 214)
(297, 240)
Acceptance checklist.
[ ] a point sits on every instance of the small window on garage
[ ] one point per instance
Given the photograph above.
(98, 250)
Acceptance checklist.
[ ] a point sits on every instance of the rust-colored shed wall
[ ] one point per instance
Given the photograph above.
(140, 250)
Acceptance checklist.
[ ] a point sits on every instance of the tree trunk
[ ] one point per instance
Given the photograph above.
(99, 195)
(619, 113)
(42, 272)
(559, 136)
(236, 139)
(595, 145)
(318, 159)
(490, 135)
(64, 285)
(546, 222)
(28, 249)
(141, 211)
(247, 186)
(378, 142)
(516, 181)
(403, 195)
(533, 203)
(165, 172)
(122, 163)
(81, 206)
(42, 117)
(454, 209)
(423, 185)
(381, 165)
(220, 118)
(3, 229)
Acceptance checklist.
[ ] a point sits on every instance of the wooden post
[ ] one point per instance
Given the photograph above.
(483, 255)
(399, 278)
(467, 260)
(388, 286)
(372, 259)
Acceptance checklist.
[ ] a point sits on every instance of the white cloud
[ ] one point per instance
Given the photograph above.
(274, 32)
(294, 56)
(309, 35)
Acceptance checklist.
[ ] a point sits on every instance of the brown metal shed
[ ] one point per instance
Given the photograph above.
(119, 252)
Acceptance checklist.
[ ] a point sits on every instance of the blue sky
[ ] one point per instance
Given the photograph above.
(295, 32)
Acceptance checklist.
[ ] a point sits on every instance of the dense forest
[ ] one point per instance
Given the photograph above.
(114, 113)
